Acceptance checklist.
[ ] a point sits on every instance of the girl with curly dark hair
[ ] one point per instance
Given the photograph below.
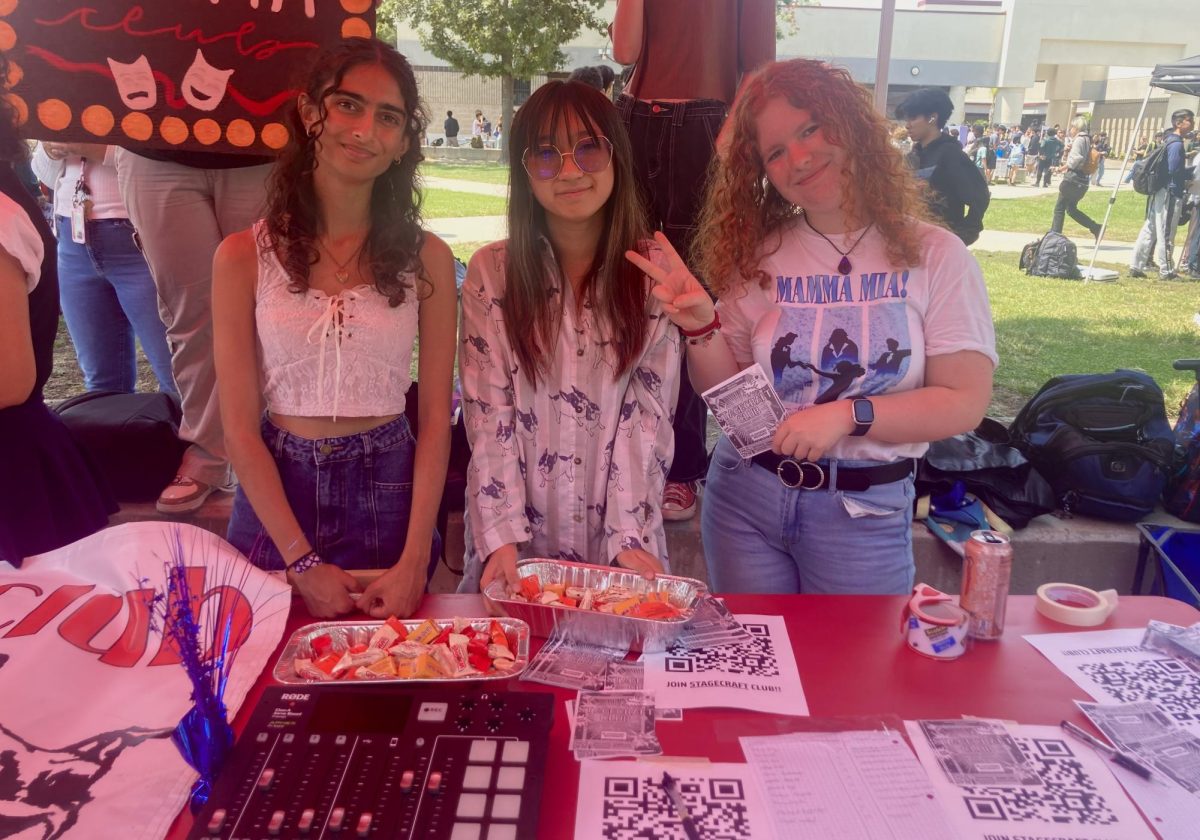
(814, 226)
(317, 309)
(50, 492)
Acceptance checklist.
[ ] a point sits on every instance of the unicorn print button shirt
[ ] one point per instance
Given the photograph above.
(824, 336)
(574, 468)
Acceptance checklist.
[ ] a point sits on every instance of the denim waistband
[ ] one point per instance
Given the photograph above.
(676, 111)
(284, 444)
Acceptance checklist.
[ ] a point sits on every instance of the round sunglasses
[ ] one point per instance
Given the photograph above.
(591, 155)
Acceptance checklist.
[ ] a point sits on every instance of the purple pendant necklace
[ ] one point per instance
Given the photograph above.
(844, 266)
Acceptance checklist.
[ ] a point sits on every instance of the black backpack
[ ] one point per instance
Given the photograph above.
(1101, 440)
(1152, 175)
(1051, 256)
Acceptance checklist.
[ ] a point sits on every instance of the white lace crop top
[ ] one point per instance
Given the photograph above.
(349, 355)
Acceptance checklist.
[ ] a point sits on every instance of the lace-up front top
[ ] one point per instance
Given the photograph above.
(345, 355)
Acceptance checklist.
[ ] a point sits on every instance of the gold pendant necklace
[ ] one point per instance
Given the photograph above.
(340, 271)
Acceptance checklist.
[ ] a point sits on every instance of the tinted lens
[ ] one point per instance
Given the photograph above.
(543, 163)
(593, 155)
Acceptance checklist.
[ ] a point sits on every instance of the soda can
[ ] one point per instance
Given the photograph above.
(987, 574)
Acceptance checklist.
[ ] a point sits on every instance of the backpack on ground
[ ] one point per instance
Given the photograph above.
(1153, 175)
(1051, 256)
(1182, 498)
(1101, 440)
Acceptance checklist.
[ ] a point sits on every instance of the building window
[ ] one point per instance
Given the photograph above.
(521, 91)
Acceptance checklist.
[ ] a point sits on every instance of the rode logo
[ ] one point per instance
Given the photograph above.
(303, 697)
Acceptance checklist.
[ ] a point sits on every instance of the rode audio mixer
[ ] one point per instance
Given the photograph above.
(383, 762)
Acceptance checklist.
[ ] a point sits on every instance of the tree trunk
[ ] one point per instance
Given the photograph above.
(506, 113)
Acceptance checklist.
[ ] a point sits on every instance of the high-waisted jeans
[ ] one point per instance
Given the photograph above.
(352, 496)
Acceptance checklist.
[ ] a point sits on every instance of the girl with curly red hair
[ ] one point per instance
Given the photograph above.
(814, 226)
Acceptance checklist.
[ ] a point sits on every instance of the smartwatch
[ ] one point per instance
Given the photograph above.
(864, 415)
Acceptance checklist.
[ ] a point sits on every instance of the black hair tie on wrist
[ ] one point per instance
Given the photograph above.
(306, 562)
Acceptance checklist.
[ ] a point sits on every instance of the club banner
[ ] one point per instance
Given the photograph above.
(211, 75)
(91, 689)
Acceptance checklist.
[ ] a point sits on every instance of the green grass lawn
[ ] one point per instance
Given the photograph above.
(1047, 327)
(1033, 214)
(465, 250)
(483, 173)
(441, 204)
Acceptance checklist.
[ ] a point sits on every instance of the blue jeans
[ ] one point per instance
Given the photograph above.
(762, 537)
(352, 496)
(108, 299)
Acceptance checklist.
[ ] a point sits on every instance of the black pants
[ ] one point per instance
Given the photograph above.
(673, 143)
(1044, 171)
(1070, 190)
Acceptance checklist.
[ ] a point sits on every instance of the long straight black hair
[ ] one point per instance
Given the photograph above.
(393, 246)
(615, 288)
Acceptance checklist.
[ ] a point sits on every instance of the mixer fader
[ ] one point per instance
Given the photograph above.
(384, 762)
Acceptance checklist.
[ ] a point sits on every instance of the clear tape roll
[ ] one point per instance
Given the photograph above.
(934, 626)
(1078, 606)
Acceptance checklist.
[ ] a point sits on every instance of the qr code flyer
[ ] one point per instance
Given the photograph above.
(1113, 667)
(759, 674)
(625, 800)
(1075, 797)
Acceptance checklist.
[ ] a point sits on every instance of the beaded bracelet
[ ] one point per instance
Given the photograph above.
(305, 563)
(704, 339)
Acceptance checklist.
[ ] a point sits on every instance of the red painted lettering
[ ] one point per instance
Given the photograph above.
(43, 613)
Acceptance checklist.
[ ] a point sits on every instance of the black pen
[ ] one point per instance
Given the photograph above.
(689, 825)
(1119, 758)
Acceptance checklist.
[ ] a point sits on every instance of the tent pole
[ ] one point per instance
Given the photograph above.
(1112, 199)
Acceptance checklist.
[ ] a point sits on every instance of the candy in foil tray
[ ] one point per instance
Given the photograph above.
(345, 634)
(590, 626)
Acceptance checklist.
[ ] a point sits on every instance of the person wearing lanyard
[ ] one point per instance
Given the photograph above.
(813, 226)
(316, 311)
(106, 290)
(689, 57)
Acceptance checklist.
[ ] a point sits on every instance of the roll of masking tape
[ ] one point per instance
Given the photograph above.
(933, 625)
(1068, 603)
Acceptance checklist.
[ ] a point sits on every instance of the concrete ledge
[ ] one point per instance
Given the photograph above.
(461, 153)
(1090, 552)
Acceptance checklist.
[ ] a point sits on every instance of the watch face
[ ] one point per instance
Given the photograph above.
(864, 412)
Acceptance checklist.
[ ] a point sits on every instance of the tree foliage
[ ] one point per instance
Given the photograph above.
(496, 38)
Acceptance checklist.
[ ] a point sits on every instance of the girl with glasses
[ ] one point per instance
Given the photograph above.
(568, 364)
(316, 312)
(814, 228)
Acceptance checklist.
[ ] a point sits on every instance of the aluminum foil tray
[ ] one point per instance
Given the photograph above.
(597, 628)
(347, 633)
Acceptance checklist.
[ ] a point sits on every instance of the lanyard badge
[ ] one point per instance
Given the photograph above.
(933, 625)
(80, 202)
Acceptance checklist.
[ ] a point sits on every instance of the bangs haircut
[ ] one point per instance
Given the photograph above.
(293, 217)
(615, 289)
(743, 212)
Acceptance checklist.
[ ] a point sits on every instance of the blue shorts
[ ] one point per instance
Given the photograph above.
(352, 496)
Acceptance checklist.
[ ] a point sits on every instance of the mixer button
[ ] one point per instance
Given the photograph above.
(465, 831)
(478, 777)
(471, 806)
(275, 823)
(216, 821)
(482, 752)
(506, 807)
(516, 752)
(511, 778)
(502, 831)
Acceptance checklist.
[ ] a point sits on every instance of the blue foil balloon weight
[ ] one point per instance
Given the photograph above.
(204, 740)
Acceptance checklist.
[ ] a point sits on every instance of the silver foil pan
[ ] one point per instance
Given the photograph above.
(597, 628)
(347, 633)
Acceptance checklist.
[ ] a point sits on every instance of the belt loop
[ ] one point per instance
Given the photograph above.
(678, 110)
(625, 104)
(833, 475)
(280, 439)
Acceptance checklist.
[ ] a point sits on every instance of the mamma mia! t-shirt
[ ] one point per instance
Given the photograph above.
(824, 336)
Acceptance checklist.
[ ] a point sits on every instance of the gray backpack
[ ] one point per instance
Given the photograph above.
(1051, 256)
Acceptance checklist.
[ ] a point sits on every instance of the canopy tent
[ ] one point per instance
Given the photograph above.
(1182, 76)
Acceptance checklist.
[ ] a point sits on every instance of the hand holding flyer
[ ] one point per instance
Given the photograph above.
(747, 409)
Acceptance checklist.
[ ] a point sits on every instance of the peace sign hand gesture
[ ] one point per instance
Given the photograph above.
(685, 301)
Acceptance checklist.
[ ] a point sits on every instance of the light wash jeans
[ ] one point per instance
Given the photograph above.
(762, 537)
(181, 215)
(1158, 233)
(108, 299)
